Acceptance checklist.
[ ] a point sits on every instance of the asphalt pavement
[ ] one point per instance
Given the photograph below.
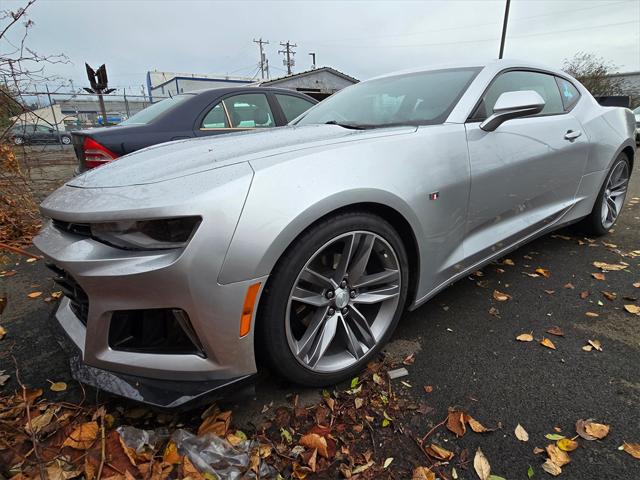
(469, 356)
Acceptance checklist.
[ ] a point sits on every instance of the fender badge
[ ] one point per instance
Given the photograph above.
(434, 195)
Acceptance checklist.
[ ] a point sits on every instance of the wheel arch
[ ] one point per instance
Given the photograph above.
(397, 220)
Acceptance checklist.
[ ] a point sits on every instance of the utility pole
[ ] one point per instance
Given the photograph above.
(313, 60)
(288, 52)
(263, 59)
(504, 27)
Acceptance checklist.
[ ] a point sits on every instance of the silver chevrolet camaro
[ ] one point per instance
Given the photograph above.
(302, 245)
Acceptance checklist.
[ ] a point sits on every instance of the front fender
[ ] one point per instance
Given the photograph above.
(260, 241)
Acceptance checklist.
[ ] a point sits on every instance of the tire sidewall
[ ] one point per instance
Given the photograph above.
(272, 315)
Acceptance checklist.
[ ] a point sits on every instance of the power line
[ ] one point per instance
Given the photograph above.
(493, 39)
(288, 52)
(476, 25)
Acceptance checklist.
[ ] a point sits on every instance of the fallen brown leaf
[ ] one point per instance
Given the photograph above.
(555, 330)
(547, 343)
(171, 455)
(635, 309)
(3, 332)
(428, 388)
(521, 433)
(596, 344)
(423, 473)
(557, 456)
(438, 452)
(608, 267)
(598, 276)
(508, 261)
(525, 337)
(34, 294)
(217, 424)
(609, 295)
(481, 465)
(500, 296)
(456, 422)
(313, 440)
(592, 314)
(82, 437)
(584, 294)
(632, 449)
(544, 272)
(569, 285)
(597, 430)
(551, 468)
(475, 425)
(637, 284)
(58, 386)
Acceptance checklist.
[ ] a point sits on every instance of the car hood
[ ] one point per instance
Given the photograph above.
(187, 157)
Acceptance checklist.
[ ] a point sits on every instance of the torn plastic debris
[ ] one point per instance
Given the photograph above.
(208, 453)
(140, 440)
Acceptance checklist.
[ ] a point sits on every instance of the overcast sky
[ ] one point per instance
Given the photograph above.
(360, 38)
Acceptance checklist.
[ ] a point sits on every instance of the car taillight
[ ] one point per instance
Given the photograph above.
(96, 154)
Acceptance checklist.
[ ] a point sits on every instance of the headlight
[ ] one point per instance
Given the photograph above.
(146, 234)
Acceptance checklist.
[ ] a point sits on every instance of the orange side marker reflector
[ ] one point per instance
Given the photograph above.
(247, 309)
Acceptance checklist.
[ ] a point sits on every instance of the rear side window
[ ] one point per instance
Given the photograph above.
(292, 106)
(515, 81)
(216, 118)
(570, 94)
(249, 110)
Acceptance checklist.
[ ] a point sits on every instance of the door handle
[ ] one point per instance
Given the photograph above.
(572, 135)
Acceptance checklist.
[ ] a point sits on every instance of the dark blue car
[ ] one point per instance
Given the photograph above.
(194, 114)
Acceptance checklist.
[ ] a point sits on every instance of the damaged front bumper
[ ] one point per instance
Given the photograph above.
(154, 392)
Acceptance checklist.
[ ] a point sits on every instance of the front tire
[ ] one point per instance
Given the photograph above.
(610, 199)
(334, 299)
(18, 140)
(65, 140)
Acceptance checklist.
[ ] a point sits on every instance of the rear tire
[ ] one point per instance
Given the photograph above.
(18, 140)
(320, 321)
(610, 201)
(65, 140)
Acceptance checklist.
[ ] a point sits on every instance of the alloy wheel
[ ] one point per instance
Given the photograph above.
(614, 194)
(343, 301)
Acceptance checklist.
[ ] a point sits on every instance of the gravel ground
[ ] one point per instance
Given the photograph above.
(469, 357)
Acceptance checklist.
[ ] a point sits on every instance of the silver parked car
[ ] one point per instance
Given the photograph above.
(307, 242)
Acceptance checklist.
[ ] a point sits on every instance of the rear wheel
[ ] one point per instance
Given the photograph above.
(334, 299)
(65, 140)
(18, 140)
(610, 199)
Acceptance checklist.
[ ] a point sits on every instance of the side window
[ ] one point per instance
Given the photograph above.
(250, 110)
(513, 81)
(569, 93)
(292, 106)
(216, 118)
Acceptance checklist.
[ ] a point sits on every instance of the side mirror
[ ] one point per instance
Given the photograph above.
(513, 105)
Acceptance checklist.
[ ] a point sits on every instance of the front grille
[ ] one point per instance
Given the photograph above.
(79, 301)
(83, 229)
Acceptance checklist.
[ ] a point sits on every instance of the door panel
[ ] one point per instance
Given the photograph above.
(524, 176)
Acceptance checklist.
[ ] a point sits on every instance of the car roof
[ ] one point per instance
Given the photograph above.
(492, 66)
(225, 90)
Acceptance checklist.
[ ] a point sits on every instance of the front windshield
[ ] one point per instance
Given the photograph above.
(154, 111)
(423, 98)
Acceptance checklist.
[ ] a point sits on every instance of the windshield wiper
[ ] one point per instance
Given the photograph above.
(352, 126)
